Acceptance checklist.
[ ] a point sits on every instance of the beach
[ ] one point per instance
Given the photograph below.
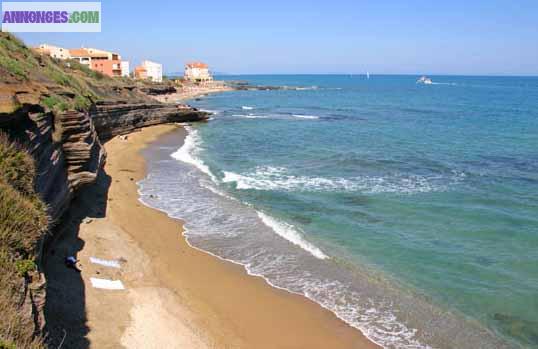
(192, 91)
(175, 296)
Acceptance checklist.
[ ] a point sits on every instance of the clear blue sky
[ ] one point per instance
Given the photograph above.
(484, 37)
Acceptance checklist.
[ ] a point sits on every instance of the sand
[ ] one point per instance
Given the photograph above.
(191, 92)
(176, 296)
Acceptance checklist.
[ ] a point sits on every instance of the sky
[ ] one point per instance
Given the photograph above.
(472, 37)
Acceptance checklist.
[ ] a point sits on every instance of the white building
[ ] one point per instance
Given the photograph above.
(154, 70)
(124, 68)
(54, 51)
(197, 72)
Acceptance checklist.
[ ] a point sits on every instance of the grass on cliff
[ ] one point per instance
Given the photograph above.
(61, 84)
(23, 221)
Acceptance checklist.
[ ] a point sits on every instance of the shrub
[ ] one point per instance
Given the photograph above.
(55, 103)
(82, 103)
(24, 266)
(23, 220)
(13, 66)
(7, 345)
(16, 166)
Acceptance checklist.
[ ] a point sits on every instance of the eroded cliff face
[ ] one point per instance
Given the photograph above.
(67, 148)
(119, 117)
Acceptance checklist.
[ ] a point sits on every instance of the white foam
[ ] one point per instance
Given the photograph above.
(290, 233)
(305, 116)
(215, 112)
(245, 107)
(253, 116)
(278, 178)
(188, 150)
(306, 88)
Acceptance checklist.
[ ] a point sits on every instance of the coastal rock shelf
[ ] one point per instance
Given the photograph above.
(116, 118)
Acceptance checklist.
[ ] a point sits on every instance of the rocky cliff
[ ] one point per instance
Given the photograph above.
(75, 157)
(68, 152)
(116, 118)
(54, 116)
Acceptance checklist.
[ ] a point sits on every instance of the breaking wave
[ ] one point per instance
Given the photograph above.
(278, 178)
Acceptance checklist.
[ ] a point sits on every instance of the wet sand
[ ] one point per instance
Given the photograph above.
(175, 296)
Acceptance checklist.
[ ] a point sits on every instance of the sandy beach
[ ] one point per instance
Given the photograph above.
(192, 92)
(175, 296)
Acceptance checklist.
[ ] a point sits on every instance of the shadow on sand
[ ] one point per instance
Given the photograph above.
(65, 308)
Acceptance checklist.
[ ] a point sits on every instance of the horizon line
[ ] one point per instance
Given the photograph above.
(372, 74)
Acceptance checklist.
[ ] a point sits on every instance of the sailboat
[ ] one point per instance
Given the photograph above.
(368, 75)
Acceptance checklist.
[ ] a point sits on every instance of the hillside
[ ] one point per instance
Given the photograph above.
(54, 116)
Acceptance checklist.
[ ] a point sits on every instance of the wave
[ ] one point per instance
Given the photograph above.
(247, 107)
(306, 88)
(236, 232)
(214, 112)
(188, 150)
(290, 233)
(278, 178)
(305, 116)
(444, 83)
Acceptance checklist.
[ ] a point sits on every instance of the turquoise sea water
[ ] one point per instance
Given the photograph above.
(409, 210)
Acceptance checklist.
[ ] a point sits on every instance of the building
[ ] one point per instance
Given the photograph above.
(140, 73)
(87, 55)
(124, 68)
(108, 67)
(105, 62)
(154, 70)
(54, 51)
(197, 72)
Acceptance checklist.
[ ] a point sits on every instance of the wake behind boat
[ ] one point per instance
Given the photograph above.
(424, 80)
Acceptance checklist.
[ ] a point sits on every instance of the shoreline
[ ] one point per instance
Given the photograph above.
(176, 295)
(192, 92)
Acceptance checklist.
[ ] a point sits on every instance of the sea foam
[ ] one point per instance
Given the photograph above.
(279, 178)
(187, 152)
(290, 233)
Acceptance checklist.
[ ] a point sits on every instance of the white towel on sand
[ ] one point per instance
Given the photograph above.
(107, 284)
(104, 262)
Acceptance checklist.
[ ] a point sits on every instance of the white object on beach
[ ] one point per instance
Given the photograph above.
(106, 263)
(107, 284)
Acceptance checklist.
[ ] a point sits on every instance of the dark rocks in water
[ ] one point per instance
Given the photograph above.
(522, 329)
(302, 219)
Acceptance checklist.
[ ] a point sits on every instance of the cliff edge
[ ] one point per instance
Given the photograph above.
(54, 116)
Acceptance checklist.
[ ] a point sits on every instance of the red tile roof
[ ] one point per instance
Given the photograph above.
(197, 65)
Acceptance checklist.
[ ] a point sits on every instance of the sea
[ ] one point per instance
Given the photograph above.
(408, 210)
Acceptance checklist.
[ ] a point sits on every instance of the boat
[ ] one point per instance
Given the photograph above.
(368, 75)
(424, 80)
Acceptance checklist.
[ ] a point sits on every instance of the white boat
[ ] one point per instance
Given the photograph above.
(424, 80)
(368, 75)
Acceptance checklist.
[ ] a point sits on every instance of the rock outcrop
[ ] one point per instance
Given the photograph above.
(83, 151)
(116, 118)
(67, 163)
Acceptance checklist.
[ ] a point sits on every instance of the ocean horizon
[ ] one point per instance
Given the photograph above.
(408, 210)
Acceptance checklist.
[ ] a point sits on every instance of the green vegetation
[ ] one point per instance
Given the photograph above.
(12, 66)
(60, 84)
(55, 103)
(23, 221)
(15, 57)
(25, 266)
(7, 345)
